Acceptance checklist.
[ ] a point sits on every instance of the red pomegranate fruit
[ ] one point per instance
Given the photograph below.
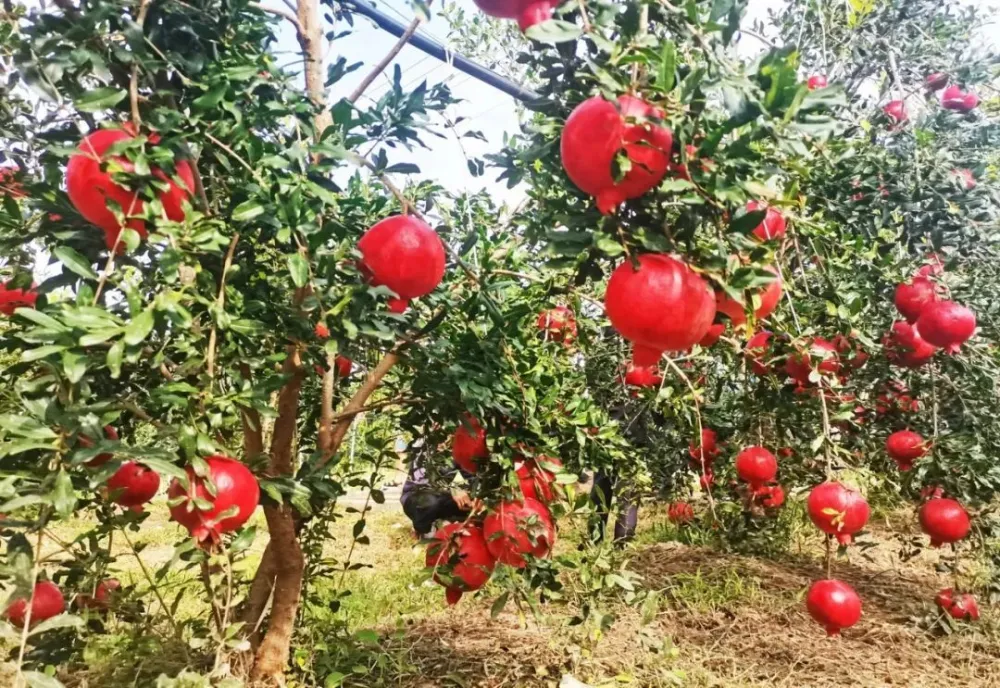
(773, 224)
(537, 477)
(932, 267)
(962, 606)
(896, 110)
(834, 605)
(9, 185)
(912, 298)
(11, 299)
(101, 599)
(519, 528)
(527, 12)
(800, 364)
(231, 502)
(756, 465)
(643, 376)
(342, 366)
(460, 559)
(321, 330)
(712, 336)
(661, 306)
(838, 510)
(46, 601)
(758, 352)
(558, 324)
(468, 445)
(403, 253)
(109, 432)
(90, 186)
(597, 130)
(770, 496)
(817, 81)
(680, 513)
(944, 520)
(946, 324)
(706, 480)
(904, 447)
(133, 485)
(936, 81)
(905, 347)
(850, 353)
(534, 13)
(958, 100)
(768, 298)
(708, 450)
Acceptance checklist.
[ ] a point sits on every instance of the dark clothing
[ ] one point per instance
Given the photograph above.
(425, 496)
(628, 513)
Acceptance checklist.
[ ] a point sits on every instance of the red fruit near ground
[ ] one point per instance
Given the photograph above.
(342, 366)
(800, 364)
(133, 485)
(534, 13)
(321, 330)
(517, 529)
(912, 298)
(90, 188)
(536, 478)
(644, 376)
(557, 324)
(713, 335)
(905, 347)
(661, 306)
(834, 605)
(101, 599)
(460, 559)
(235, 486)
(404, 254)
(756, 465)
(944, 520)
(962, 607)
(773, 224)
(936, 81)
(680, 512)
(770, 496)
(709, 446)
(954, 98)
(946, 324)
(904, 447)
(838, 510)
(597, 130)
(758, 351)
(46, 601)
(965, 178)
(11, 299)
(896, 110)
(814, 82)
(468, 445)
(100, 459)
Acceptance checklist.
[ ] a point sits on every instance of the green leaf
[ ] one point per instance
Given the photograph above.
(40, 318)
(42, 351)
(24, 426)
(211, 99)
(62, 496)
(299, 269)
(74, 366)
(554, 31)
(745, 222)
(608, 246)
(498, 604)
(100, 99)
(36, 679)
(75, 262)
(243, 541)
(60, 621)
(403, 168)
(100, 337)
(248, 210)
(140, 327)
(114, 359)
(668, 65)
(676, 185)
(21, 502)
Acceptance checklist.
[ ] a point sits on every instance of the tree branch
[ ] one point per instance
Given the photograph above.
(277, 11)
(133, 84)
(220, 301)
(384, 62)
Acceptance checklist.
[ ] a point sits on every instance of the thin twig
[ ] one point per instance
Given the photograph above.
(587, 28)
(384, 62)
(29, 603)
(133, 85)
(697, 410)
(235, 156)
(152, 585)
(220, 301)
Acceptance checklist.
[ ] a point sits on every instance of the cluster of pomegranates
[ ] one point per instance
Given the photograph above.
(463, 555)
(931, 321)
(47, 601)
(953, 98)
(526, 12)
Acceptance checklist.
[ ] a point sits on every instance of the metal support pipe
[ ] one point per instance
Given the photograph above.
(434, 49)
